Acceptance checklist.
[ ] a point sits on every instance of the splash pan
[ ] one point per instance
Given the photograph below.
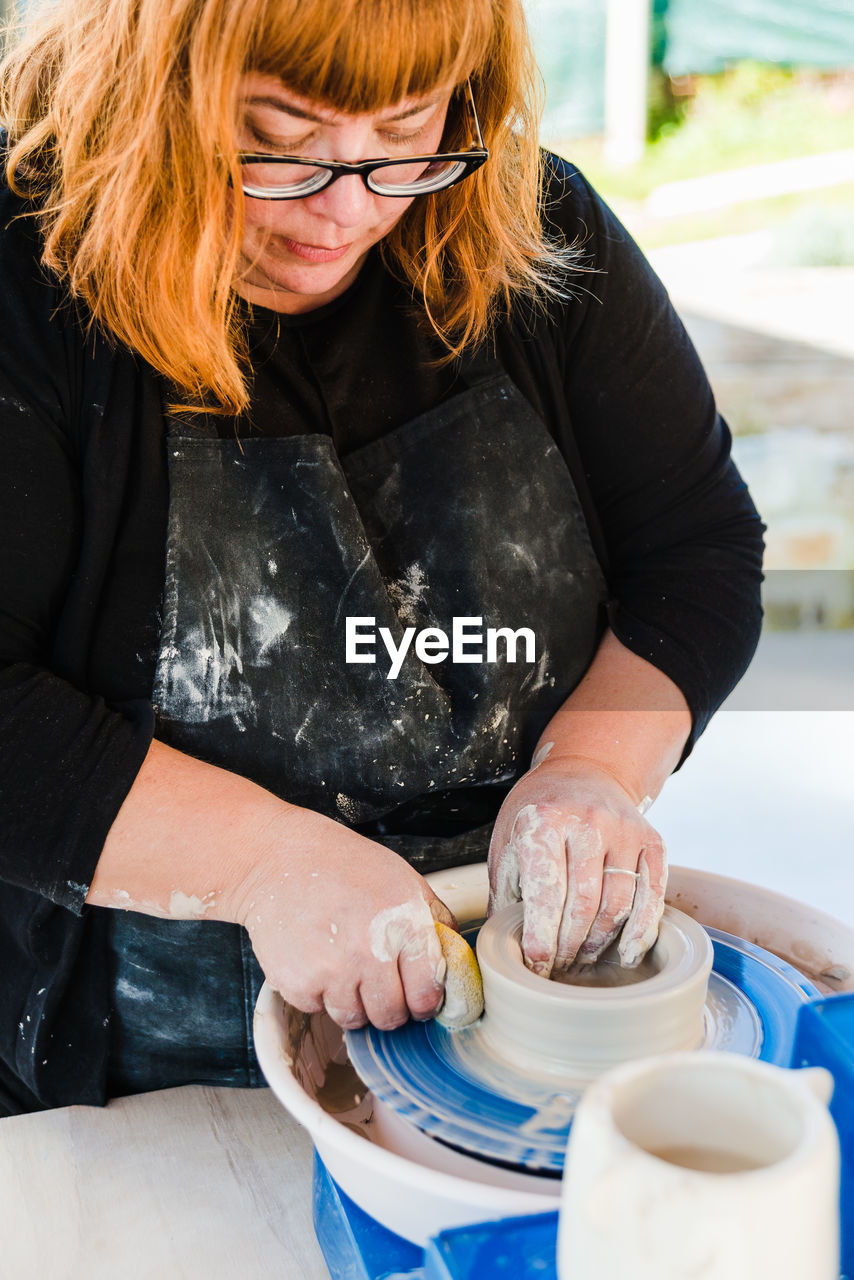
(415, 1185)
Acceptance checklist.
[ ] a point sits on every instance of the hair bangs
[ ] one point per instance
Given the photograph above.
(364, 55)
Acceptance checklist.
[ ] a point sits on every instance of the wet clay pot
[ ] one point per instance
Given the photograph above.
(593, 1019)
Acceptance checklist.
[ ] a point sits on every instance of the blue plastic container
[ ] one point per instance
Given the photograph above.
(354, 1245)
(824, 1037)
(512, 1249)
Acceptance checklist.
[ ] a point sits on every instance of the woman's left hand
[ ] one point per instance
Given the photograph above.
(572, 844)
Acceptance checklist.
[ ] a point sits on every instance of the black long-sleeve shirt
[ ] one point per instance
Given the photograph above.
(83, 506)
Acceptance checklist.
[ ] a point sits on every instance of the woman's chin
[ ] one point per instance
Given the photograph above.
(295, 286)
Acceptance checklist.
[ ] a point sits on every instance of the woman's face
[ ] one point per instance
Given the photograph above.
(298, 254)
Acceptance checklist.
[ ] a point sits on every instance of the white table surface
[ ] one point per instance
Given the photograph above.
(185, 1184)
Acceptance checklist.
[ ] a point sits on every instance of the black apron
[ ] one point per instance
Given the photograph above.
(468, 512)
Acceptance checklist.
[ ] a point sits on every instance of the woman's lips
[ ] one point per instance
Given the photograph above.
(313, 252)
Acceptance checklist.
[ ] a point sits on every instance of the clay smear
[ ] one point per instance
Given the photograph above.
(188, 906)
(406, 930)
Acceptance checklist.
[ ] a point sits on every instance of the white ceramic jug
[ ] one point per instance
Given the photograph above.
(702, 1164)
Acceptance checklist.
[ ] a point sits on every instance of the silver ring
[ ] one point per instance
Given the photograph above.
(620, 871)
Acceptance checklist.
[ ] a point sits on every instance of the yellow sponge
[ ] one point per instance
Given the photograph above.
(463, 1002)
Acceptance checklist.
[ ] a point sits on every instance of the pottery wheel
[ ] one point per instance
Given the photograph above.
(452, 1087)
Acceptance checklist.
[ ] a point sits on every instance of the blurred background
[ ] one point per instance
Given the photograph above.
(722, 132)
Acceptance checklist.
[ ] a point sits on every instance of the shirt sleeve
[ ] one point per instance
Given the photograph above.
(683, 538)
(67, 759)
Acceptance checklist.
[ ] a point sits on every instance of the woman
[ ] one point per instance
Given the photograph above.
(354, 408)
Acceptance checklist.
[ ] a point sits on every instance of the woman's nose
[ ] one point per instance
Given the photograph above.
(346, 202)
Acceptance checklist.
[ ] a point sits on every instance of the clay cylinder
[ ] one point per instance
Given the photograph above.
(574, 1033)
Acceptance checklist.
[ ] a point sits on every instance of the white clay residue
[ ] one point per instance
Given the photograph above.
(521, 553)
(585, 843)
(539, 677)
(302, 733)
(553, 1116)
(406, 593)
(498, 718)
(456, 1006)
(632, 954)
(541, 755)
(347, 807)
(365, 560)
(270, 621)
(17, 405)
(641, 930)
(506, 882)
(531, 867)
(406, 930)
(204, 679)
(141, 994)
(584, 886)
(538, 845)
(187, 906)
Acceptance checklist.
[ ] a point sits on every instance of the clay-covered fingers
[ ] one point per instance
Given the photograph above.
(503, 868)
(572, 844)
(641, 929)
(384, 1002)
(423, 982)
(537, 850)
(349, 927)
(403, 978)
(409, 970)
(618, 895)
(345, 1008)
(585, 856)
(377, 998)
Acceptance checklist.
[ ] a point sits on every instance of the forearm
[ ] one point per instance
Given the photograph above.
(189, 835)
(625, 717)
(336, 920)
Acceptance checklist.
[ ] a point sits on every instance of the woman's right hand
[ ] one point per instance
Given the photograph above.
(346, 925)
(338, 922)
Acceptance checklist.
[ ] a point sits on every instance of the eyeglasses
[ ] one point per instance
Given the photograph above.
(267, 177)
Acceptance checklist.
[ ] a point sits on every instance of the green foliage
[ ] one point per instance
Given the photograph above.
(751, 114)
(666, 109)
(754, 113)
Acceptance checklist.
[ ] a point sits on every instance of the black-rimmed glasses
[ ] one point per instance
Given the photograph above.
(267, 177)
